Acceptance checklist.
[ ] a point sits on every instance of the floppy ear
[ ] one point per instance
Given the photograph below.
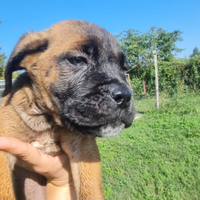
(29, 44)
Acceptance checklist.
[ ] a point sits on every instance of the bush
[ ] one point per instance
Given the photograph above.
(176, 76)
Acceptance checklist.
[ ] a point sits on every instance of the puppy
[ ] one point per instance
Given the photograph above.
(74, 90)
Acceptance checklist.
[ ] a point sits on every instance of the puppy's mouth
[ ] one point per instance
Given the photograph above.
(97, 123)
(104, 130)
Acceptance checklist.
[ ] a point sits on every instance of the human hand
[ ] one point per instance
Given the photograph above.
(56, 169)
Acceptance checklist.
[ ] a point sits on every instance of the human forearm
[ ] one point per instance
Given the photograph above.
(60, 192)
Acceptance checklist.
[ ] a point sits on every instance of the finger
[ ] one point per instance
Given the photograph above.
(32, 159)
(22, 150)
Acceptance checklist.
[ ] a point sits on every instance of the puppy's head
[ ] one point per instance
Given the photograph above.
(79, 68)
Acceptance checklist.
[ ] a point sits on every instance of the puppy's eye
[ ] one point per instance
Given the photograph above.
(77, 61)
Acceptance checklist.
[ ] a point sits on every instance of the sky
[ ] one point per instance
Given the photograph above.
(21, 16)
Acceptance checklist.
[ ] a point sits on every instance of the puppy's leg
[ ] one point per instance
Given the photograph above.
(85, 165)
(6, 186)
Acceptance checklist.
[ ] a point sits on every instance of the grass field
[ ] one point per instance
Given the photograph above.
(158, 157)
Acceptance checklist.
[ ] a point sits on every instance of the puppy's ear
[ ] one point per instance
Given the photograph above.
(31, 44)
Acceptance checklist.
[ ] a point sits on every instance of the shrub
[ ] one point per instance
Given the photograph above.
(176, 76)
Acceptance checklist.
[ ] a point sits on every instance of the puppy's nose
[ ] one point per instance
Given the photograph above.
(122, 96)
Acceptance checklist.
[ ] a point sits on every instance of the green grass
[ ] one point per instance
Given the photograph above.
(158, 157)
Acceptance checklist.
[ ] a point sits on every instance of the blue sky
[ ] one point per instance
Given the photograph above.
(21, 16)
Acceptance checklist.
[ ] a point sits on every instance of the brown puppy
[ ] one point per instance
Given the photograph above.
(73, 90)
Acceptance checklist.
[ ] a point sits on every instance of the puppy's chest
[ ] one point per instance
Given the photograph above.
(48, 143)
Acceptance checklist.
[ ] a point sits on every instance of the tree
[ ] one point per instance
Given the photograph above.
(136, 46)
(130, 42)
(196, 52)
(2, 62)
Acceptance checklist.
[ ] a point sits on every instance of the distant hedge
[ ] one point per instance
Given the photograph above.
(178, 75)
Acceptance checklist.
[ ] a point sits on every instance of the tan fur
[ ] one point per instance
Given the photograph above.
(20, 117)
(6, 190)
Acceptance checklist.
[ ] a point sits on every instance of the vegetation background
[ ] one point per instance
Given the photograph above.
(158, 157)
(175, 74)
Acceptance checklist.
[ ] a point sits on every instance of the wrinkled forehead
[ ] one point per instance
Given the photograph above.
(80, 34)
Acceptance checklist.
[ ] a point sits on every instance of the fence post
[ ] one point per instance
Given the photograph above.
(156, 78)
(144, 88)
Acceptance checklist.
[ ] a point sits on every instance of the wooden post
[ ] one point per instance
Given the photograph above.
(129, 80)
(156, 78)
(144, 87)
